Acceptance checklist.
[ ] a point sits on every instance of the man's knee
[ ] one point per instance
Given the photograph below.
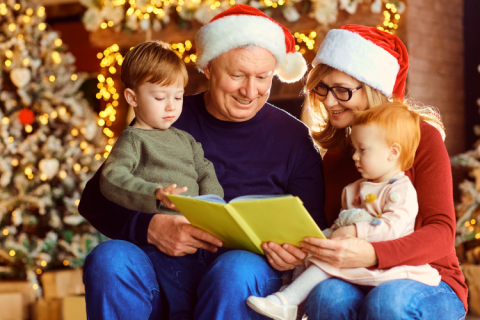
(238, 265)
(240, 272)
(112, 259)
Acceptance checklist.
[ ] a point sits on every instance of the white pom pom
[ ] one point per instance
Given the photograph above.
(293, 68)
(394, 197)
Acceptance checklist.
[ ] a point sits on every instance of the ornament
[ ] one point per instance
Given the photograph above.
(376, 222)
(49, 167)
(26, 116)
(394, 197)
(370, 198)
(91, 130)
(20, 77)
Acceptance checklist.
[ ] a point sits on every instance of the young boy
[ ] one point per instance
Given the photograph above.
(385, 139)
(150, 158)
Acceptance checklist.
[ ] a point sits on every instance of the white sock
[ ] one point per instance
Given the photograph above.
(298, 291)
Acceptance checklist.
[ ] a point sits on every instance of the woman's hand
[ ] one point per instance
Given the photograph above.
(285, 257)
(342, 252)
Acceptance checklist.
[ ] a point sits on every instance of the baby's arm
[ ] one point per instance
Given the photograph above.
(207, 179)
(118, 184)
(398, 217)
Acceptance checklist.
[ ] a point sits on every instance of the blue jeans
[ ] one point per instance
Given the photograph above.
(335, 299)
(125, 281)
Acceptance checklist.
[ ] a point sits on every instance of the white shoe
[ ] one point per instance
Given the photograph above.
(273, 310)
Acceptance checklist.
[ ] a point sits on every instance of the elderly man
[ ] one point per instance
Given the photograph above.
(160, 266)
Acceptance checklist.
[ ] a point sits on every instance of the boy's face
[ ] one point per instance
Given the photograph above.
(156, 106)
(374, 158)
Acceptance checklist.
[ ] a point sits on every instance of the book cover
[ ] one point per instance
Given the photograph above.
(246, 222)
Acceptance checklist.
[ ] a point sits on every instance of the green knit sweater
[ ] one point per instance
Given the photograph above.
(143, 160)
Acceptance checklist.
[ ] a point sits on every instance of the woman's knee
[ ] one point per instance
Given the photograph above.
(334, 299)
(393, 299)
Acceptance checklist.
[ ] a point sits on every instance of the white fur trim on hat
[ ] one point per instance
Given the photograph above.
(234, 31)
(360, 58)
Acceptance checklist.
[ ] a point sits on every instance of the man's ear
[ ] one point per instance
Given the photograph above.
(131, 97)
(395, 151)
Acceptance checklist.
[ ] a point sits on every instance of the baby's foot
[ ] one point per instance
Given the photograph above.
(277, 310)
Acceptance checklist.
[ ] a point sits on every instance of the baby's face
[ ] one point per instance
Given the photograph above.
(373, 157)
(158, 106)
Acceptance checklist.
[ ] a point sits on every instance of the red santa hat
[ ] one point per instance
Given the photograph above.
(244, 25)
(372, 56)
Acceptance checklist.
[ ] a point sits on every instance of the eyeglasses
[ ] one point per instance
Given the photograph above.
(341, 93)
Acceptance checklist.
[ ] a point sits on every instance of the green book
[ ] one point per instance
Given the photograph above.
(247, 222)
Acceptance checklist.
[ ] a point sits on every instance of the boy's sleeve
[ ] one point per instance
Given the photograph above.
(398, 217)
(207, 179)
(118, 184)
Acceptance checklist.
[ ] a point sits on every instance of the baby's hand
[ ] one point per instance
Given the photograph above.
(349, 230)
(161, 194)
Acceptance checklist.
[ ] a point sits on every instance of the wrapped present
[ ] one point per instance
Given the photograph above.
(11, 306)
(472, 277)
(58, 284)
(47, 310)
(74, 308)
(25, 289)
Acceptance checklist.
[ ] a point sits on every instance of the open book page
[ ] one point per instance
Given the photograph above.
(257, 197)
(211, 198)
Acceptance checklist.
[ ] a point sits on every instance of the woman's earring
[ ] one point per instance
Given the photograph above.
(348, 131)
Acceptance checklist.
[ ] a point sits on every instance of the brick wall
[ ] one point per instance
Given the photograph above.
(433, 34)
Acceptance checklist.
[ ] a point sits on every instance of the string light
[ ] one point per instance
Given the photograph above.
(110, 60)
(305, 41)
(390, 23)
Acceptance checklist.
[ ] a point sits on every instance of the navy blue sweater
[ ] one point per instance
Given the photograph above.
(272, 153)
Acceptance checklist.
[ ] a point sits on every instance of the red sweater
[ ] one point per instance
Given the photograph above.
(434, 236)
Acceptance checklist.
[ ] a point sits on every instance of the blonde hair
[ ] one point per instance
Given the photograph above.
(327, 136)
(155, 62)
(400, 124)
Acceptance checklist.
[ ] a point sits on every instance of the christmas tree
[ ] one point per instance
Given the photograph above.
(50, 146)
(468, 210)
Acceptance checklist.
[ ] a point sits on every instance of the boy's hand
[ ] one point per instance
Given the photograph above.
(343, 231)
(161, 194)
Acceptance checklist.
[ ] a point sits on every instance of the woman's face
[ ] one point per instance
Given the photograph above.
(341, 112)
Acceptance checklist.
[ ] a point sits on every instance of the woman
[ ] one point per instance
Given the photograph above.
(358, 68)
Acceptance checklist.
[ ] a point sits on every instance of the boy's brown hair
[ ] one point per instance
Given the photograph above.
(400, 124)
(155, 62)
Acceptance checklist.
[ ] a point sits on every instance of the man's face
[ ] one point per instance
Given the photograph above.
(240, 82)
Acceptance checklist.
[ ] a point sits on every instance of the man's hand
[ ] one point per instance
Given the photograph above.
(284, 257)
(175, 236)
(161, 194)
(343, 252)
(344, 231)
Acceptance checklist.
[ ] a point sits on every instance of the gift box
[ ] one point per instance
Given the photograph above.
(74, 308)
(11, 306)
(25, 290)
(472, 277)
(58, 284)
(47, 310)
